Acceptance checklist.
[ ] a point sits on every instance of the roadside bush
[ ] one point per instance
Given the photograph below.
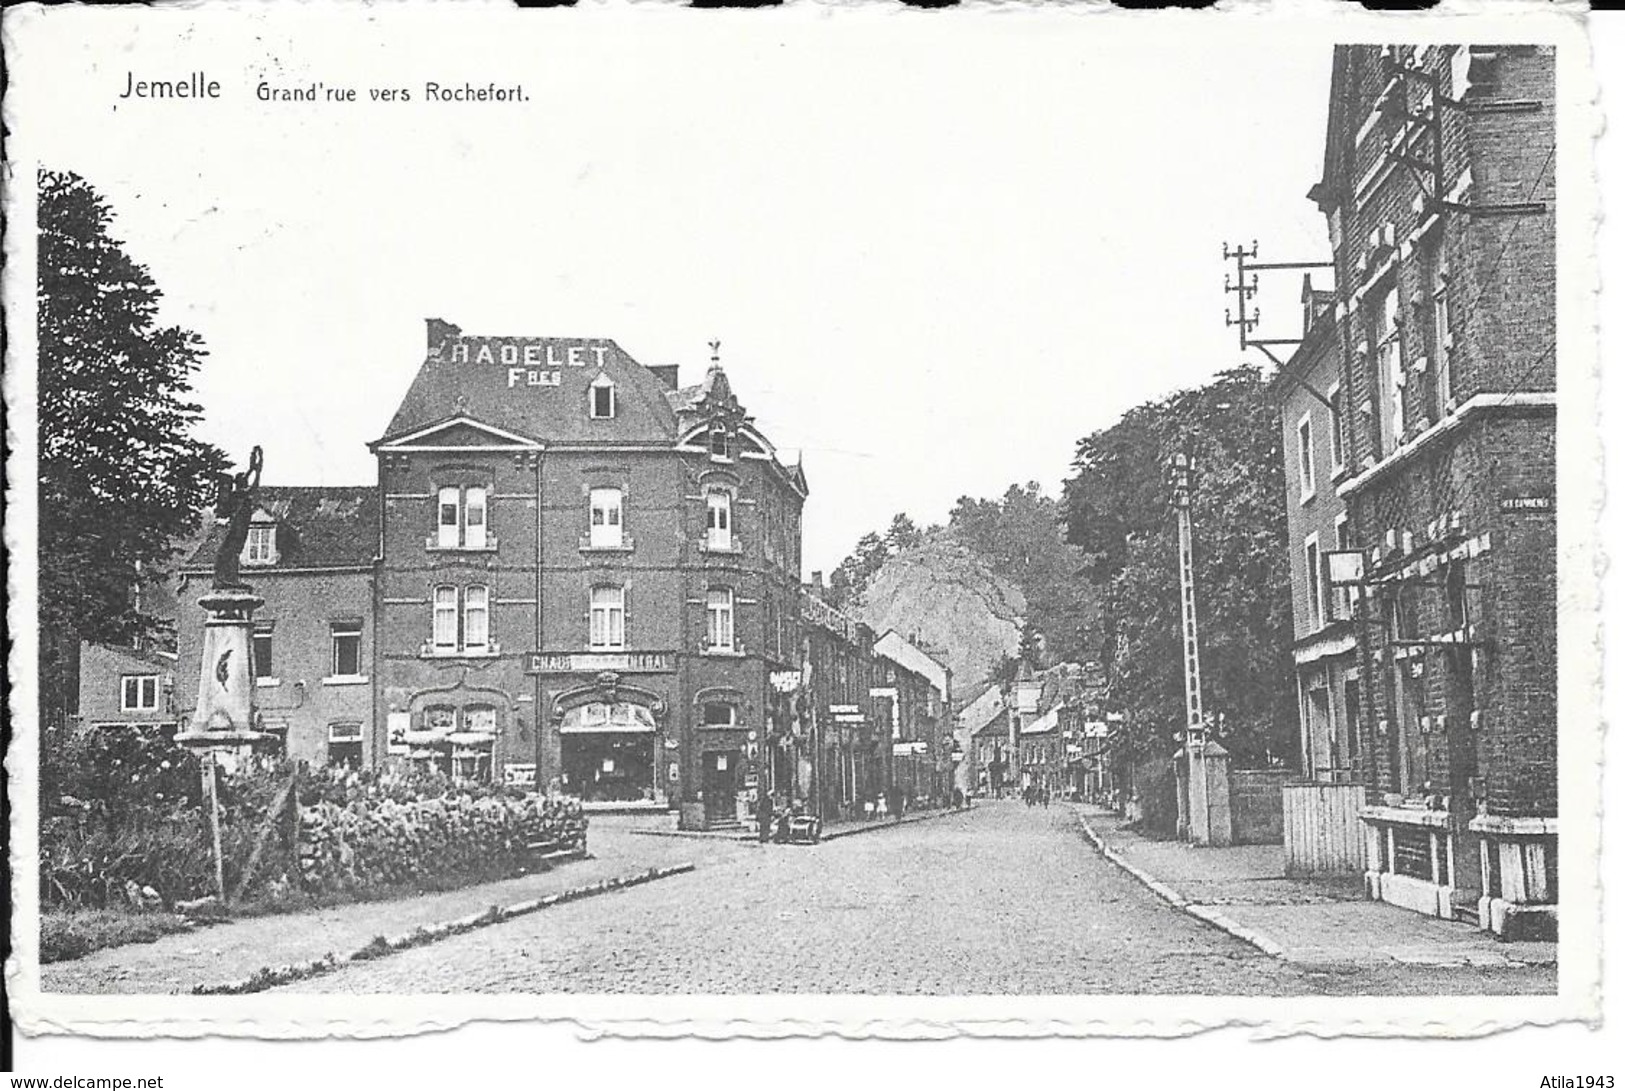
(387, 842)
(123, 826)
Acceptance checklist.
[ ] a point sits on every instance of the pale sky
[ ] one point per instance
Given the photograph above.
(937, 251)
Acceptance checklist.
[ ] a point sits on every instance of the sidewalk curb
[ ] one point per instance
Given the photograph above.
(269, 977)
(1205, 913)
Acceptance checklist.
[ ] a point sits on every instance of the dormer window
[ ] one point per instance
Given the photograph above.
(601, 405)
(719, 442)
(261, 545)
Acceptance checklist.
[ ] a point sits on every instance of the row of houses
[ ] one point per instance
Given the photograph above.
(1046, 730)
(1418, 422)
(573, 573)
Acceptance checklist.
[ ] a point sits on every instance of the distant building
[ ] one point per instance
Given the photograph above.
(310, 555)
(1311, 397)
(850, 745)
(1438, 190)
(922, 745)
(127, 687)
(983, 730)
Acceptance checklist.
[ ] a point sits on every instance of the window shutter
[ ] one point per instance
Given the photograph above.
(626, 616)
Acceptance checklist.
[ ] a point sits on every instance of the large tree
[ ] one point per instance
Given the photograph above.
(121, 475)
(1020, 535)
(1117, 509)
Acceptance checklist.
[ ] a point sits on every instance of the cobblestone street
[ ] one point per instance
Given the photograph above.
(1002, 899)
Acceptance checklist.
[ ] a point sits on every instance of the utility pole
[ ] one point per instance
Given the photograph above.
(1181, 470)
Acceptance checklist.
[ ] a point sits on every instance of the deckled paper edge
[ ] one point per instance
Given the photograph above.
(1579, 445)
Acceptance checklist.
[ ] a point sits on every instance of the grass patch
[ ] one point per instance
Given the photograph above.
(75, 933)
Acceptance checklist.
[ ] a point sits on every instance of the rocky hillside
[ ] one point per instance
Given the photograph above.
(940, 593)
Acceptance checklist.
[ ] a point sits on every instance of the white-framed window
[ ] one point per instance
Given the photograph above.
(1306, 458)
(445, 618)
(451, 517)
(139, 693)
(604, 514)
(719, 714)
(464, 517)
(1313, 581)
(719, 519)
(719, 619)
(462, 619)
(720, 447)
(474, 517)
(481, 719)
(344, 743)
(1345, 541)
(476, 617)
(1334, 401)
(601, 398)
(1389, 372)
(1440, 341)
(606, 628)
(346, 637)
(262, 649)
(261, 545)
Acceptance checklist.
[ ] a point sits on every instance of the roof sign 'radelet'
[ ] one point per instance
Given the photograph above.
(527, 361)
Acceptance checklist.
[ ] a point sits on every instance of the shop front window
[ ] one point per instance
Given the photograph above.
(344, 744)
(608, 752)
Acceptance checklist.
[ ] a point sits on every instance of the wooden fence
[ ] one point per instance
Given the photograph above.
(1322, 833)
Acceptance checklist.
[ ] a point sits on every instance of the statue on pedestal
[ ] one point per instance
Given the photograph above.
(238, 495)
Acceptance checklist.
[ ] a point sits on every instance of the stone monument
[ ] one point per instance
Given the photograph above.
(225, 702)
(223, 724)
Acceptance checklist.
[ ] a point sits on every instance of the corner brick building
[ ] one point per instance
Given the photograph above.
(586, 577)
(1438, 191)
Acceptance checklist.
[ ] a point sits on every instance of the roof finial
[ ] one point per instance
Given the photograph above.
(716, 351)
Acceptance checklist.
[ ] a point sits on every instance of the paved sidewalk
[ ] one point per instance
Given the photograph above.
(1316, 923)
(222, 952)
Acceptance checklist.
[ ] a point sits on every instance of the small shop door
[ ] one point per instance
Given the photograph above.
(720, 766)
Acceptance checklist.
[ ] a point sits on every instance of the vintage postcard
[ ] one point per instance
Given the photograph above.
(1014, 520)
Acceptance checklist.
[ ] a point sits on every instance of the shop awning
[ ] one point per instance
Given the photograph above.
(471, 738)
(424, 738)
(601, 718)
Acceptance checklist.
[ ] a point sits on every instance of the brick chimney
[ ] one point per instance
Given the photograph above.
(440, 331)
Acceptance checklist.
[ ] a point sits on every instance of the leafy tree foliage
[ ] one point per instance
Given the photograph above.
(121, 476)
(1020, 536)
(852, 576)
(902, 534)
(1117, 509)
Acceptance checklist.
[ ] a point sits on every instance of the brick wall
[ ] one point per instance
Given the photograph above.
(1255, 805)
(1482, 714)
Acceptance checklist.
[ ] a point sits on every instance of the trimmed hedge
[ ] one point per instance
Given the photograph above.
(390, 843)
(123, 826)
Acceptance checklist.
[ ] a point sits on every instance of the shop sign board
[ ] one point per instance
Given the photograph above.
(903, 749)
(519, 776)
(398, 725)
(784, 681)
(593, 662)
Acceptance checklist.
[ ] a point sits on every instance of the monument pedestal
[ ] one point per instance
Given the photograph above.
(222, 728)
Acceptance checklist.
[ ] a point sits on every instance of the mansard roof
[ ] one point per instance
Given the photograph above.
(536, 388)
(316, 527)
